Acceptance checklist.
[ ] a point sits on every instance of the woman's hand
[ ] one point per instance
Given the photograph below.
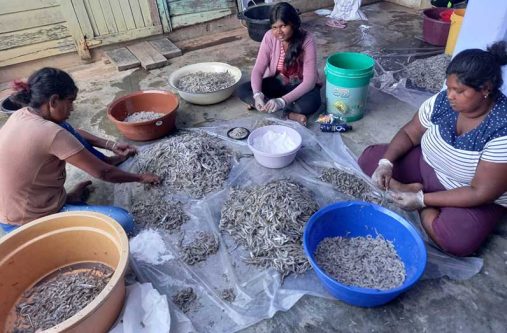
(149, 178)
(383, 174)
(123, 149)
(259, 101)
(274, 105)
(408, 200)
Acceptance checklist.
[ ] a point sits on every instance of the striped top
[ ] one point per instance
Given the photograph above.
(281, 59)
(455, 157)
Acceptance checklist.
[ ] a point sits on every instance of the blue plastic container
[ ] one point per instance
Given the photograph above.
(355, 219)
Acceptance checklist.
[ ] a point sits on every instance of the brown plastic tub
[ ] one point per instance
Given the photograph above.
(40, 248)
(150, 100)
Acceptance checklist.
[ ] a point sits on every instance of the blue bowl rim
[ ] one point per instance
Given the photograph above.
(369, 291)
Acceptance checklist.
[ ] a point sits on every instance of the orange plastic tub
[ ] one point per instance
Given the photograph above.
(150, 100)
(38, 249)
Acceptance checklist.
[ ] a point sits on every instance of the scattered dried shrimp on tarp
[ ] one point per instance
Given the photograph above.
(428, 73)
(184, 299)
(193, 163)
(361, 261)
(268, 220)
(349, 184)
(142, 116)
(205, 82)
(152, 211)
(59, 298)
(228, 295)
(204, 245)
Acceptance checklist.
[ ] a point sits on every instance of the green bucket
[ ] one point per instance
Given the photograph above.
(348, 75)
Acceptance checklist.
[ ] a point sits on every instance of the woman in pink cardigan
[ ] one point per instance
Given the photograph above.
(285, 73)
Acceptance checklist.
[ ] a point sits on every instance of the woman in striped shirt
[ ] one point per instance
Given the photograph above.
(285, 73)
(450, 161)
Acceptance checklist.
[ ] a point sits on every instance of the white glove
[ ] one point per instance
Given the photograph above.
(259, 101)
(383, 174)
(274, 105)
(408, 200)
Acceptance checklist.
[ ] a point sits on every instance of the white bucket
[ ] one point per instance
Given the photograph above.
(275, 160)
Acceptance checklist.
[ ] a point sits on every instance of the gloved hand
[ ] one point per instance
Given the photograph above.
(383, 174)
(274, 105)
(259, 101)
(408, 200)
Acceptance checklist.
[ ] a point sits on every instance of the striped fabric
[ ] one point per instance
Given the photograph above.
(455, 157)
(281, 59)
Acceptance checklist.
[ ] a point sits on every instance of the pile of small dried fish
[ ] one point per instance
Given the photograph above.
(349, 184)
(184, 299)
(204, 245)
(152, 211)
(428, 73)
(205, 82)
(228, 295)
(142, 116)
(59, 298)
(361, 261)
(268, 221)
(193, 163)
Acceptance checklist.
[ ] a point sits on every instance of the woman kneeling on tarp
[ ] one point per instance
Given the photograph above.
(35, 144)
(450, 161)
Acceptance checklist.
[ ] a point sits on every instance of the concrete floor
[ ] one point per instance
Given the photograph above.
(441, 305)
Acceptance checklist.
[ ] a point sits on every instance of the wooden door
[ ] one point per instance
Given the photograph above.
(101, 22)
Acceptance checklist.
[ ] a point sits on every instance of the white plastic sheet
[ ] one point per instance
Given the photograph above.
(260, 293)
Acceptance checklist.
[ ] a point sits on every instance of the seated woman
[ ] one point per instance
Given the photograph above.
(36, 143)
(450, 161)
(285, 73)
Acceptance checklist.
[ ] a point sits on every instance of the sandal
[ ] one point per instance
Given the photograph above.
(336, 23)
(298, 117)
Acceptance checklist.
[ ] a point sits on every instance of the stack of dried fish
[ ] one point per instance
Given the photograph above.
(268, 220)
(204, 245)
(428, 73)
(142, 116)
(349, 184)
(361, 261)
(152, 211)
(193, 163)
(57, 299)
(184, 299)
(205, 82)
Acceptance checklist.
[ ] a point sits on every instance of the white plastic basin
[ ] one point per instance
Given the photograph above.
(275, 160)
(209, 67)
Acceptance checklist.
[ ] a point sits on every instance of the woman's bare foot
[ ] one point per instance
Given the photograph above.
(400, 187)
(80, 192)
(300, 118)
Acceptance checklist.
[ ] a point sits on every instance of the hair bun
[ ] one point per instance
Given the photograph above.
(499, 51)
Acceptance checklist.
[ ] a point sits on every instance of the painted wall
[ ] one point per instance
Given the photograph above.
(32, 29)
(189, 12)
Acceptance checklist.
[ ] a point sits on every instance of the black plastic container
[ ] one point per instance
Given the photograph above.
(257, 20)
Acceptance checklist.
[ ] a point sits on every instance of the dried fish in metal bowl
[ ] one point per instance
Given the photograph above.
(152, 211)
(204, 245)
(205, 82)
(361, 261)
(193, 163)
(268, 220)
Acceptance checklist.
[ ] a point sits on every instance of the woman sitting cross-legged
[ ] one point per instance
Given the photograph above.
(450, 161)
(285, 73)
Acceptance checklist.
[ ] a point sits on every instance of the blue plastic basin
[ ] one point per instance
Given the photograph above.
(355, 219)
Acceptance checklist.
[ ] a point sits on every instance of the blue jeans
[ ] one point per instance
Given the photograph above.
(120, 215)
(83, 141)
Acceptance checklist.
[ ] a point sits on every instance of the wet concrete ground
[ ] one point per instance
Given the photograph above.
(441, 305)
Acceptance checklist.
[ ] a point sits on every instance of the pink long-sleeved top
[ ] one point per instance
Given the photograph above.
(267, 59)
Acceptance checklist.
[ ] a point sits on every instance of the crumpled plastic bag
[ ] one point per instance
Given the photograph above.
(149, 247)
(347, 10)
(145, 310)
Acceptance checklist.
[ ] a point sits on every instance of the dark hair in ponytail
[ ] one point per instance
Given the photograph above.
(43, 84)
(476, 67)
(284, 12)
